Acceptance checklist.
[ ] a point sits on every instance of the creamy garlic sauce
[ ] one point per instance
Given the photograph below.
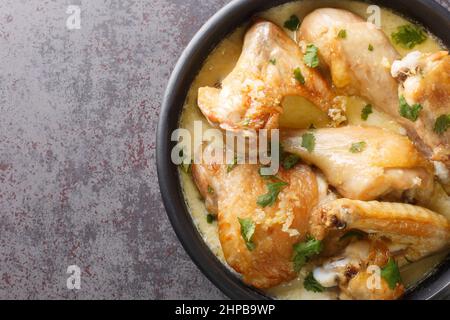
(298, 113)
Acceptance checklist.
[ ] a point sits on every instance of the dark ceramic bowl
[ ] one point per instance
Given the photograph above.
(428, 13)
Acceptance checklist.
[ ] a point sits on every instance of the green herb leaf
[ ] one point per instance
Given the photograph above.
(303, 251)
(358, 147)
(210, 190)
(442, 123)
(292, 23)
(407, 111)
(370, 47)
(290, 161)
(273, 61)
(366, 111)
(407, 36)
(342, 34)
(391, 274)
(231, 166)
(308, 141)
(299, 76)
(311, 284)
(311, 57)
(268, 199)
(210, 218)
(247, 230)
(355, 233)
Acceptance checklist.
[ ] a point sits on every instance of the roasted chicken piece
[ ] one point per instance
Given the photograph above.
(355, 70)
(359, 71)
(425, 80)
(366, 163)
(392, 231)
(270, 67)
(410, 231)
(233, 195)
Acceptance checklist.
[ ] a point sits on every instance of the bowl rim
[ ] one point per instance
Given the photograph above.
(435, 17)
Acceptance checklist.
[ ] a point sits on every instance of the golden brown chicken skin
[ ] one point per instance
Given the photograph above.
(250, 96)
(278, 227)
(425, 80)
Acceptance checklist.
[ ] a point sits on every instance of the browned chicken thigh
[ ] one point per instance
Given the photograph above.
(270, 67)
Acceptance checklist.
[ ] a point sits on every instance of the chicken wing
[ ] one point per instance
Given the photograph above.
(234, 195)
(391, 231)
(250, 96)
(366, 163)
(359, 71)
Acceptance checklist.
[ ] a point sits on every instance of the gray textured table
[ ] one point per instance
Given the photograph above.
(78, 115)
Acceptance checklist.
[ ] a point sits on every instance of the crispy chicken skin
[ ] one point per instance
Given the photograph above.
(411, 231)
(358, 71)
(394, 231)
(278, 227)
(388, 164)
(251, 95)
(425, 79)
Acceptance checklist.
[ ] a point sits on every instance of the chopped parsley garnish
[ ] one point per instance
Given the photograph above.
(358, 147)
(342, 34)
(366, 111)
(232, 165)
(355, 233)
(391, 274)
(303, 251)
(407, 36)
(268, 199)
(308, 141)
(299, 76)
(247, 230)
(311, 284)
(370, 47)
(273, 61)
(290, 161)
(292, 23)
(210, 218)
(407, 111)
(311, 57)
(210, 190)
(442, 123)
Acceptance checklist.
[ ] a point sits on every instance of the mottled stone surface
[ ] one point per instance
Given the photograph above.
(78, 185)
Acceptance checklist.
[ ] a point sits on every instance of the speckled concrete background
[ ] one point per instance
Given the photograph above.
(78, 185)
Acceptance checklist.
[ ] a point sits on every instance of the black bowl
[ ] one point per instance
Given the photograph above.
(428, 13)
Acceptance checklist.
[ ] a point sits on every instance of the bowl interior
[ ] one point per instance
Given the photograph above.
(428, 13)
